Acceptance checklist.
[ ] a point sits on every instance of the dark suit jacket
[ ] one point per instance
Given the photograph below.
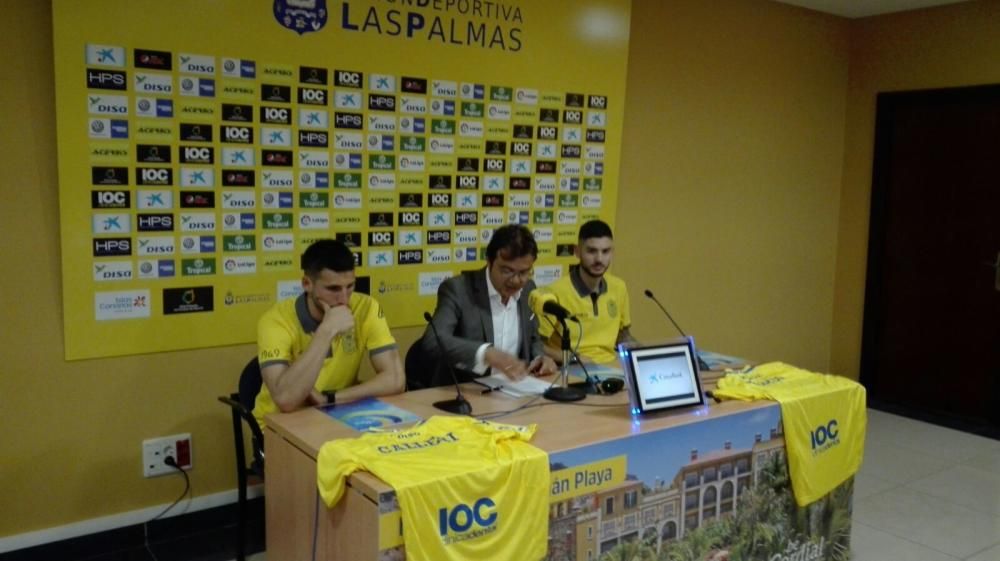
(464, 321)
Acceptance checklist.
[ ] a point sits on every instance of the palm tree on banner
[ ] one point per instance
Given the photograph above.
(634, 550)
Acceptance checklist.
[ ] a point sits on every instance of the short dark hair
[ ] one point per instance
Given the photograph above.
(595, 229)
(514, 240)
(327, 254)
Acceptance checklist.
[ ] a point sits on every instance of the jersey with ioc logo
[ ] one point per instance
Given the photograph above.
(823, 416)
(467, 489)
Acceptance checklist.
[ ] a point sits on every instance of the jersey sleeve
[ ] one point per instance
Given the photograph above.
(502, 431)
(333, 464)
(274, 341)
(376, 328)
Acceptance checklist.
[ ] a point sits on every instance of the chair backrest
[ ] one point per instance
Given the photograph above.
(418, 376)
(425, 370)
(250, 383)
(241, 405)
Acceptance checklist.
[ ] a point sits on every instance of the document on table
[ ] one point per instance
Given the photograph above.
(529, 385)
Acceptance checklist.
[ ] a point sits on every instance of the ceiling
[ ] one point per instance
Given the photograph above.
(864, 8)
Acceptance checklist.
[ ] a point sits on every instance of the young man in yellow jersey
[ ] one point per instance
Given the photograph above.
(310, 347)
(598, 299)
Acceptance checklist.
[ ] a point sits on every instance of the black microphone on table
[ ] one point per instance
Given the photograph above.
(550, 306)
(649, 294)
(553, 308)
(459, 405)
(567, 392)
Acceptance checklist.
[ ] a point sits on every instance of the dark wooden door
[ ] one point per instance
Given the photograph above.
(931, 344)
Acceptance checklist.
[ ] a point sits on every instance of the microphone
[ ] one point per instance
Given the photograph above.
(550, 306)
(553, 308)
(547, 303)
(649, 294)
(702, 365)
(459, 405)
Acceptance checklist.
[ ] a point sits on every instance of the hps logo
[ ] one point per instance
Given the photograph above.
(825, 437)
(464, 522)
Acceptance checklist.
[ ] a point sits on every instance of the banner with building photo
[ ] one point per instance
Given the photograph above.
(203, 145)
(714, 490)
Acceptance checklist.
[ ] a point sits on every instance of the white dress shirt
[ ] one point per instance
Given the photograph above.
(506, 326)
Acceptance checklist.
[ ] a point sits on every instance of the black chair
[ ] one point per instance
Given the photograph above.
(419, 370)
(425, 370)
(241, 405)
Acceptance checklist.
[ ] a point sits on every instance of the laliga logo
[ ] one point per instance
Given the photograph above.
(462, 516)
(824, 437)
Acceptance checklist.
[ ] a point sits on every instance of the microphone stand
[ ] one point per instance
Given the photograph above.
(564, 392)
(702, 365)
(459, 405)
(649, 294)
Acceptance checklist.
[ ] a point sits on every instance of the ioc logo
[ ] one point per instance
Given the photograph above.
(822, 434)
(462, 516)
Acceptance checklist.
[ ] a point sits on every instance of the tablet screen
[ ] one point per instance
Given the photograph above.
(664, 376)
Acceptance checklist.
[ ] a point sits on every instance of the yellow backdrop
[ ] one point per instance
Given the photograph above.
(203, 146)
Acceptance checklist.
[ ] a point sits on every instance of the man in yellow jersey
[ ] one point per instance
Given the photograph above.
(598, 299)
(310, 347)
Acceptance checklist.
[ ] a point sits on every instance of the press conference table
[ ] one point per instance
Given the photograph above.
(359, 528)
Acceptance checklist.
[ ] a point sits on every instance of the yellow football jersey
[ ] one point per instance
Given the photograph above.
(285, 331)
(601, 318)
(467, 489)
(824, 419)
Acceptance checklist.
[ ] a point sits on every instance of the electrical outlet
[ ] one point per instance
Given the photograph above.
(156, 450)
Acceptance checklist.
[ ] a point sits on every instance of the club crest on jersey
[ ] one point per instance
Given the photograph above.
(301, 16)
(348, 343)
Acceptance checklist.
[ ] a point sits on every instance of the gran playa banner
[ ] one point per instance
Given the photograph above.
(716, 490)
(203, 145)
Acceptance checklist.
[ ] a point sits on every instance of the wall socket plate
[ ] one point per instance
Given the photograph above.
(156, 450)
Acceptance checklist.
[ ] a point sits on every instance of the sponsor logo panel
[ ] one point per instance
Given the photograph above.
(112, 271)
(188, 300)
(128, 304)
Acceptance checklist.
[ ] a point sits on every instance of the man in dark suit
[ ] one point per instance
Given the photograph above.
(483, 317)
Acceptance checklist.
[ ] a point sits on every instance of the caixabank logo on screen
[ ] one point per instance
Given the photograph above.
(188, 300)
(448, 23)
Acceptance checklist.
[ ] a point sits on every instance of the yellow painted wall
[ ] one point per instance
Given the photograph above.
(72, 431)
(730, 180)
(950, 46)
(730, 205)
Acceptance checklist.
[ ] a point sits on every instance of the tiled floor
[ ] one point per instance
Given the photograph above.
(924, 493)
